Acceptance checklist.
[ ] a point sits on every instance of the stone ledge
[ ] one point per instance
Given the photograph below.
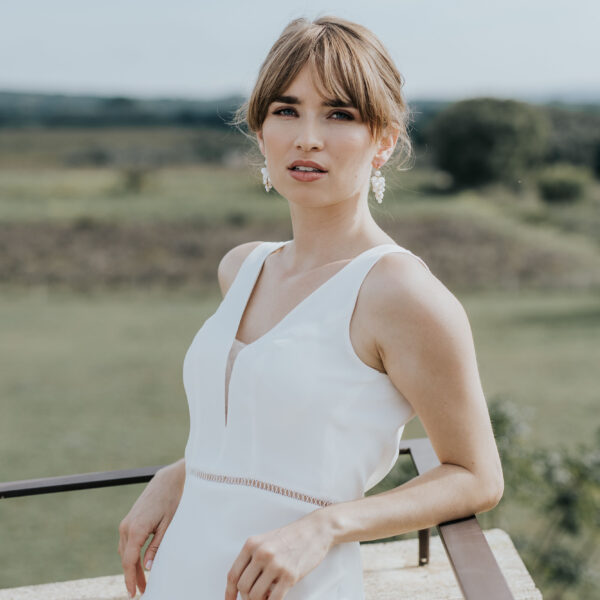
(390, 569)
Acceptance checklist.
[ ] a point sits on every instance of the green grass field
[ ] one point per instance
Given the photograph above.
(93, 381)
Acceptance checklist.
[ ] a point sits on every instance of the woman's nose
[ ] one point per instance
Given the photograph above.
(308, 137)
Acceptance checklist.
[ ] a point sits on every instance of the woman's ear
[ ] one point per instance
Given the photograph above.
(387, 143)
(261, 142)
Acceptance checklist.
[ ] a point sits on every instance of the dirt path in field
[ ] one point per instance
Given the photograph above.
(89, 254)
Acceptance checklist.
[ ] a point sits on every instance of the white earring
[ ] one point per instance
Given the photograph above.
(378, 185)
(266, 179)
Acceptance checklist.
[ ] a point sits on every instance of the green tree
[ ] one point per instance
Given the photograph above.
(483, 140)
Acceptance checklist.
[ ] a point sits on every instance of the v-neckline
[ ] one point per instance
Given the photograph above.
(243, 345)
(296, 307)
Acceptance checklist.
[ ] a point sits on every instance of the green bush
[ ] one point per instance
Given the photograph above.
(560, 488)
(562, 183)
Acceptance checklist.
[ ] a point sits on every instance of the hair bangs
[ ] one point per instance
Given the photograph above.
(344, 75)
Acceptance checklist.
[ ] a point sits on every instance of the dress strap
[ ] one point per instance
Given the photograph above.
(236, 298)
(351, 280)
(250, 267)
(364, 263)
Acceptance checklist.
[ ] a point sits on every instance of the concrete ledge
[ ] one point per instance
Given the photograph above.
(390, 572)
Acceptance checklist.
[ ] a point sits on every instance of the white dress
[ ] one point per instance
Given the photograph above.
(278, 428)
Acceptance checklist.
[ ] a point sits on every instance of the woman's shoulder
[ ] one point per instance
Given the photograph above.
(231, 262)
(405, 310)
(400, 289)
(407, 274)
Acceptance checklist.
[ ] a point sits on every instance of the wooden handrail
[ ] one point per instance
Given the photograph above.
(470, 556)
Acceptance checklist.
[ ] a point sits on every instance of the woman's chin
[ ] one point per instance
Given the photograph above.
(308, 198)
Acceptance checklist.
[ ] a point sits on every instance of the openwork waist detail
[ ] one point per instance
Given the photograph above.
(263, 485)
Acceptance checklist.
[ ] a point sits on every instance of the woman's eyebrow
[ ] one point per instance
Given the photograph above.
(332, 102)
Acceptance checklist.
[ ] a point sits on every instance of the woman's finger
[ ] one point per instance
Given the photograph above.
(130, 561)
(141, 578)
(279, 589)
(152, 548)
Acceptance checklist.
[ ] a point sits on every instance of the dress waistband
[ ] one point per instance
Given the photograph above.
(263, 485)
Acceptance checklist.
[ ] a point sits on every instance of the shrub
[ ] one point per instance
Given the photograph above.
(560, 488)
(562, 183)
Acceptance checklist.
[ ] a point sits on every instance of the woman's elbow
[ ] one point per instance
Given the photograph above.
(494, 493)
(494, 484)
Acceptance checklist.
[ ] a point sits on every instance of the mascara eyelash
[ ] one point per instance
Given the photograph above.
(349, 117)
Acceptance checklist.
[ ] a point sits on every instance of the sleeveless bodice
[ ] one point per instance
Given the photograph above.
(298, 393)
(282, 425)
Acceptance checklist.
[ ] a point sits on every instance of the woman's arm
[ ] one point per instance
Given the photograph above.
(425, 342)
(177, 470)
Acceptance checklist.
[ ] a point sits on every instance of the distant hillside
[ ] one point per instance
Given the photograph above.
(58, 110)
(22, 109)
(55, 129)
(61, 110)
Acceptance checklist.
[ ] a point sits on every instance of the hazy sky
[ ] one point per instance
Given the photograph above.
(446, 49)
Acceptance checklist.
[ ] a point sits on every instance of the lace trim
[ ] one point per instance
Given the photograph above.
(263, 485)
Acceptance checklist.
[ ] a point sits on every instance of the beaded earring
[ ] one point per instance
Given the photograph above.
(266, 179)
(378, 185)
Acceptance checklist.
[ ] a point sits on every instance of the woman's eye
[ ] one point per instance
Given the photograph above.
(346, 116)
(282, 110)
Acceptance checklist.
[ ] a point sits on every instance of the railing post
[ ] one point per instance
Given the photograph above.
(423, 547)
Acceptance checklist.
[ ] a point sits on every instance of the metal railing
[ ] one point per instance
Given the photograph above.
(471, 558)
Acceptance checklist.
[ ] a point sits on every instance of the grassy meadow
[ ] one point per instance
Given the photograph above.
(92, 352)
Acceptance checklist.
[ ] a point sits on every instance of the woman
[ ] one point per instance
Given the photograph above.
(323, 348)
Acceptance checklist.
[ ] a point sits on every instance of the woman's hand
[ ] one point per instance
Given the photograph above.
(270, 563)
(151, 513)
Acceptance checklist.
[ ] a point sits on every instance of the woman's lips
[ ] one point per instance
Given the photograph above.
(306, 175)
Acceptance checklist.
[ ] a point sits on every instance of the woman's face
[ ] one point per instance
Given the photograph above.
(298, 126)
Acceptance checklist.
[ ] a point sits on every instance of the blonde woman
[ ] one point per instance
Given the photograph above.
(323, 348)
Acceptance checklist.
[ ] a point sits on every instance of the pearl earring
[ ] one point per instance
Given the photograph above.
(378, 185)
(266, 179)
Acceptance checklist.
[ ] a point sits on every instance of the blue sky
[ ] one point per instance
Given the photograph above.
(445, 49)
